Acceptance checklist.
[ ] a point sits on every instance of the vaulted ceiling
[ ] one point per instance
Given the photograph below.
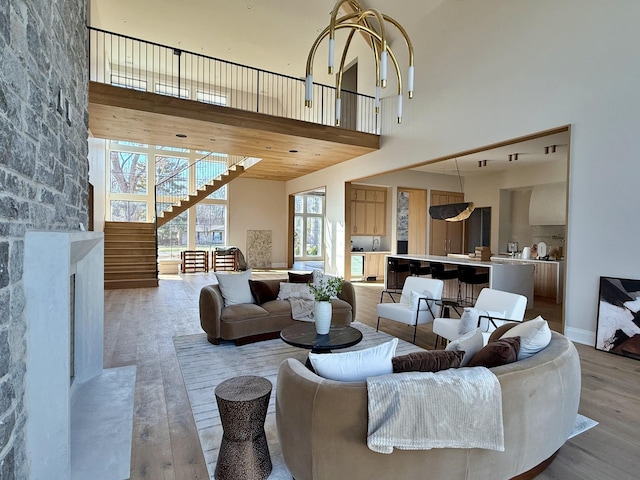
(274, 35)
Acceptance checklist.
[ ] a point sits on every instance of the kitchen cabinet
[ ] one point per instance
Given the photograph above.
(446, 237)
(374, 265)
(546, 280)
(368, 211)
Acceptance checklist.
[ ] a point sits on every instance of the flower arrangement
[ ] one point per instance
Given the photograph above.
(326, 288)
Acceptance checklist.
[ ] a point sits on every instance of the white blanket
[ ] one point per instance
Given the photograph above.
(454, 408)
(302, 309)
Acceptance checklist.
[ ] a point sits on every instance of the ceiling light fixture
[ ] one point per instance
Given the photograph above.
(550, 149)
(453, 212)
(375, 32)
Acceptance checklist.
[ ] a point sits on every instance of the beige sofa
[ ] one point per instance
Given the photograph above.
(322, 424)
(246, 323)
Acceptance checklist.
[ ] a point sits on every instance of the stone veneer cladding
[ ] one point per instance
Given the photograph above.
(43, 173)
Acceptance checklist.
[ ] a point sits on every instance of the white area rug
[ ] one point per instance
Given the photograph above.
(204, 366)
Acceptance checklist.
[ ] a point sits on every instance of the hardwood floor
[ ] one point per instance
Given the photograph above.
(140, 324)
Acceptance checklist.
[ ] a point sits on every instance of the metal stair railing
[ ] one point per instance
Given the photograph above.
(200, 180)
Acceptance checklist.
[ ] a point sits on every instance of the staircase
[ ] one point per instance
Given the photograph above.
(200, 194)
(129, 255)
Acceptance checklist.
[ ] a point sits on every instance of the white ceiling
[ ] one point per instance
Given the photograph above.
(273, 35)
(530, 153)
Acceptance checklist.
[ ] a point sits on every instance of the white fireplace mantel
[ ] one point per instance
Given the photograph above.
(50, 259)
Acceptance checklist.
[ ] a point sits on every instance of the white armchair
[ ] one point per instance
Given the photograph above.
(489, 300)
(422, 308)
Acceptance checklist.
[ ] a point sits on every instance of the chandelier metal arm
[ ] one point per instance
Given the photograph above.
(360, 20)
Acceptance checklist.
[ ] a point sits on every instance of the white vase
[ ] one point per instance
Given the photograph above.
(322, 315)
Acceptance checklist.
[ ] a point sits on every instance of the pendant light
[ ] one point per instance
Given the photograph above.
(452, 212)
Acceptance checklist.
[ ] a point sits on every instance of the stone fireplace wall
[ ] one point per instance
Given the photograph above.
(43, 173)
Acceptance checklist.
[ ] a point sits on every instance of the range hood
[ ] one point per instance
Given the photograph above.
(548, 204)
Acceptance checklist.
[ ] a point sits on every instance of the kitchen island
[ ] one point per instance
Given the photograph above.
(515, 277)
(548, 276)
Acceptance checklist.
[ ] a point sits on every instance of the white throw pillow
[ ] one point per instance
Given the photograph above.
(234, 287)
(415, 300)
(294, 290)
(534, 335)
(355, 366)
(470, 316)
(470, 343)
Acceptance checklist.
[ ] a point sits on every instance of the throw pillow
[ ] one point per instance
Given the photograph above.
(501, 330)
(534, 336)
(355, 366)
(415, 300)
(234, 287)
(263, 292)
(497, 353)
(470, 317)
(294, 290)
(300, 277)
(427, 361)
(470, 343)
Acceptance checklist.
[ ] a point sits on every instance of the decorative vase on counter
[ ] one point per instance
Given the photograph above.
(322, 315)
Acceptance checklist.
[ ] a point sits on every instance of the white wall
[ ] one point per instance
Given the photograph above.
(97, 177)
(259, 205)
(499, 69)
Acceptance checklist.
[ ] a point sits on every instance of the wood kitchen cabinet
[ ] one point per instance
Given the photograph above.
(368, 211)
(446, 237)
(374, 265)
(547, 280)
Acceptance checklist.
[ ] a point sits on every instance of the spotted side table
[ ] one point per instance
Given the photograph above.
(244, 453)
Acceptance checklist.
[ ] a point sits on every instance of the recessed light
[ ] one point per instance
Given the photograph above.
(268, 148)
(181, 135)
(293, 151)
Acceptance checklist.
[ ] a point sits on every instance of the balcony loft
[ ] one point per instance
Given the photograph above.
(149, 93)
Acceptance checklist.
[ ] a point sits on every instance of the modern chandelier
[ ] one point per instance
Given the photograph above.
(372, 24)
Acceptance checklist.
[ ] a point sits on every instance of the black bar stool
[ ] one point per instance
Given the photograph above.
(470, 276)
(394, 267)
(440, 273)
(417, 269)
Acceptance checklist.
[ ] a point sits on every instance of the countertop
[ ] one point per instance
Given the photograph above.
(384, 252)
(523, 260)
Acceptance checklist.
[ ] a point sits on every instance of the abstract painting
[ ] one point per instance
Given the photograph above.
(618, 329)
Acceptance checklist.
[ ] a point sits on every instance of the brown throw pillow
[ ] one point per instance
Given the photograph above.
(497, 353)
(427, 361)
(300, 277)
(498, 332)
(263, 291)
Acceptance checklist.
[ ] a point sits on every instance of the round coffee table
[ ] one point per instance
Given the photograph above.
(304, 336)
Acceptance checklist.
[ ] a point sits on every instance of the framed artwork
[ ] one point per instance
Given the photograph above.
(618, 329)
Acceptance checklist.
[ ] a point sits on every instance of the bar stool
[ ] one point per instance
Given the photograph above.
(416, 268)
(440, 273)
(394, 267)
(470, 276)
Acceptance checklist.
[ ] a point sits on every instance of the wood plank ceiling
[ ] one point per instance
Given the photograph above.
(288, 148)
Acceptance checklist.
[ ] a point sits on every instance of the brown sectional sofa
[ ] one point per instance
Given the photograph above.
(246, 323)
(322, 424)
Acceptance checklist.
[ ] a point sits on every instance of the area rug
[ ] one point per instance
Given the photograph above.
(204, 366)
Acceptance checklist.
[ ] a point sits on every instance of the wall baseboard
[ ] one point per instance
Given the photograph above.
(579, 335)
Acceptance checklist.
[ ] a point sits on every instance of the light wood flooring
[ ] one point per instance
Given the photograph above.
(140, 324)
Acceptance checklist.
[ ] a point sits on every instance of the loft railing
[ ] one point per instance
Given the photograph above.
(180, 181)
(132, 63)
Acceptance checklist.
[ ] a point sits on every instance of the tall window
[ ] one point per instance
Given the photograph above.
(308, 226)
(135, 169)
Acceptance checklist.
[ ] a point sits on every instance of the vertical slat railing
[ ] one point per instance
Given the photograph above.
(132, 63)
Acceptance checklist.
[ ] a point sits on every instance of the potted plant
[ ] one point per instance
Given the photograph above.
(323, 291)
